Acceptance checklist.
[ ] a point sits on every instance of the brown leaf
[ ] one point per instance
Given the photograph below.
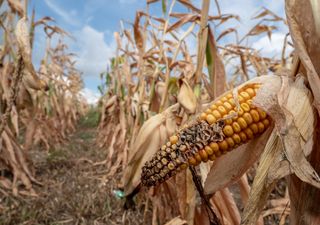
(176, 221)
(30, 79)
(44, 21)
(259, 29)
(189, 5)
(138, 36)
(262, 185)
(186, 97)
(306, 42)
(267, 12)
(187, 18)
(226, 32)
(215, 65)
(151, 1)
(16, 7)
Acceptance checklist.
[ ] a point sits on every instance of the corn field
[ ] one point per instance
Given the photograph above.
(189, 129)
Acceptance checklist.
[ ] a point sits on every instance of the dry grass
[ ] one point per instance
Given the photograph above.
(72, 191)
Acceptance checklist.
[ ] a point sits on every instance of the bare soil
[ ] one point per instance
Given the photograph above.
(75, 189)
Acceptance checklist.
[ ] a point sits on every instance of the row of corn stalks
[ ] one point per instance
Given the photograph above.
(37, 108)
(155, 84)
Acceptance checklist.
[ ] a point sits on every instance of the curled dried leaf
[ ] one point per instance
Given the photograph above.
(187, 98)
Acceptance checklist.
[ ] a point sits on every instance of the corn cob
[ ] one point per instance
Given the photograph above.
(220, 128)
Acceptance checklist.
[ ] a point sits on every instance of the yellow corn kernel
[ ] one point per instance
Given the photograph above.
(243, 136)
(245, 107)
(192, 161)
(240, 111)
(204, 156)
(208, 111)
(236, 138)
(241, 99)
(262, 114)
(214, 146)
(266, 122)
(227, 106)
(228, 131)
(236, 127)
(203, 116)
(232, 102)
(243, 124)
(222, 110)
(255, 115)
(208, 150)
(227, 121)
(213, 107)
(247, 117)
(232, 112)
(224, 99)
(223, 145)
(251, 92)
(230, 142)
(197, 157)
(211, 119)
(254, 128)
(216, 114)
(249, 133)
(218, 103)
(229, 95)
(245, 95)
(261, 127)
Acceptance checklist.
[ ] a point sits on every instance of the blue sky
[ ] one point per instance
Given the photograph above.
(93, 22)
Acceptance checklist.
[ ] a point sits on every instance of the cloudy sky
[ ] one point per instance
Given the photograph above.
(93, 22)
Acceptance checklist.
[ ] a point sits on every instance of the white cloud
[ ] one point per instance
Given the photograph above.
(69, 18)
(91, 96)
(93, 53)
(271, 47)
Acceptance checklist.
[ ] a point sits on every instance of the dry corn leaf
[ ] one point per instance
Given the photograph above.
(138, 36)
(262, 185)
(43, 21)
(306, 42)
(16, 6)
(151, 1)
(15, 120)
(315, 6)
(188, 4)
(259, 29)
(30, 79)
(294, 99)
(226, 32)
(186, 19)
(186, 196)
(216, 69)
(176, 221)
(187, 98)
(202, 39)
(267, 12)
